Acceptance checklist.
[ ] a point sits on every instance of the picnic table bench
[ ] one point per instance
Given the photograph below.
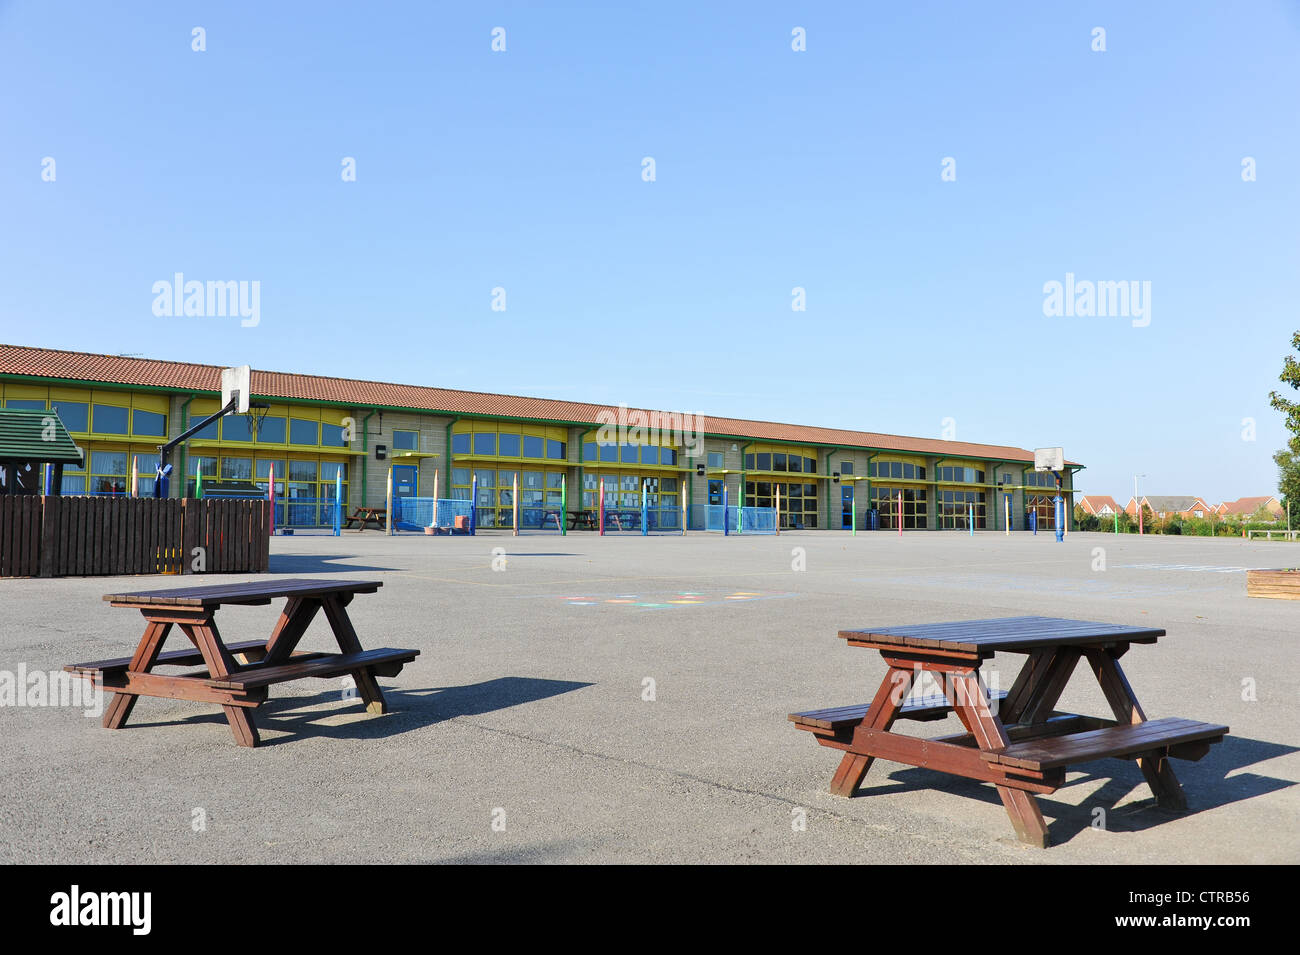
(236, 676)
(1014, 739)
(586, 519)
(368, 515)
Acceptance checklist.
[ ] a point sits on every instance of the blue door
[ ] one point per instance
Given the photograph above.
(846, 501)
(406, 480)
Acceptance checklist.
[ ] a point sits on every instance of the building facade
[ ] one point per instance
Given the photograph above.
(443, 443)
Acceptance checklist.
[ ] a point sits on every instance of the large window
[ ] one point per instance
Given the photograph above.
(540, 495)
(235, 427)
(798, 501)
(149, 423)
(272, 430)
(75, 415)
(331, 435)
(1045, 506)
(109, 419)
(955, 506)
(904, 470)
(406, 441)
(74, 479)
(886, 501)
(303, 431)
(949, 474)
(628, 453)
(485, 440)
(1040, 479)
(108, 470)
(782, 461)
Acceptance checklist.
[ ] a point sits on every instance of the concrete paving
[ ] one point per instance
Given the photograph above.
(528, 707)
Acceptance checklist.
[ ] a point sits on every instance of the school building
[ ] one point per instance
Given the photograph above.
(119, 409)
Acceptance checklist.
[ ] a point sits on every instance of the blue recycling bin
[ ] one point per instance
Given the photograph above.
(875, 519)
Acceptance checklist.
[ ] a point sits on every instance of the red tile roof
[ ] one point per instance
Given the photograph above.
(188, 377)
(1093, 503)
(1247, 505)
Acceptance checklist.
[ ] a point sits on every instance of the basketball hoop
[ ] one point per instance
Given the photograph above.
(257, 411)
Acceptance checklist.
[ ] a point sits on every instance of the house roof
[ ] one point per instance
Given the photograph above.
(1169, 503)
(189, 377)
(32, 435)
(1246, 505)
(1098, 501)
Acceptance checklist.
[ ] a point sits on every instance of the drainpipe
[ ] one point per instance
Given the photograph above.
(446, 483)
(185, 425)
(365, 458)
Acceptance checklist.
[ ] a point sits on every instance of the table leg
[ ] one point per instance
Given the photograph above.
(1043, 688)
(120, 706)
(221, 664)
(367, 686)
(884, 708)
(1123, 701)
(294, 620)
(971, 704)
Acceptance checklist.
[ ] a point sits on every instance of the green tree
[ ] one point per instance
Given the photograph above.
(1288, 460)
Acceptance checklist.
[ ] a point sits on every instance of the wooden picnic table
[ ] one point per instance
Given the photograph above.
(1014, 739)
(368, 515)
(237, 675)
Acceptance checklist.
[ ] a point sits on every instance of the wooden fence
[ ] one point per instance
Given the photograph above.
(115, 536)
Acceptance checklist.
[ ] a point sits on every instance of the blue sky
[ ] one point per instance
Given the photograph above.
(774, 169)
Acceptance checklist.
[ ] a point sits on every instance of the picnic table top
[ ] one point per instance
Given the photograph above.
(1003, 633)
(253, 592)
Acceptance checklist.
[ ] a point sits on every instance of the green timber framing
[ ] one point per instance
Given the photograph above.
(431, 425)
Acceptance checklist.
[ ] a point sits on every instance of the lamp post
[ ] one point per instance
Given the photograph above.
(1137, 501)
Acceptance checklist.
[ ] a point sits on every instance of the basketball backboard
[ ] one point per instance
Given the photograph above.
(1049, 459)
(236, 383)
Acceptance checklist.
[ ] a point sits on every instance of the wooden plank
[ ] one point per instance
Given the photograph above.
(321, 667)
(880, 717)
(1002, 633)
(253, 592)
(293, 622)
(178, 687)
(146, 653)
(1119, 740)
(189, 657)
